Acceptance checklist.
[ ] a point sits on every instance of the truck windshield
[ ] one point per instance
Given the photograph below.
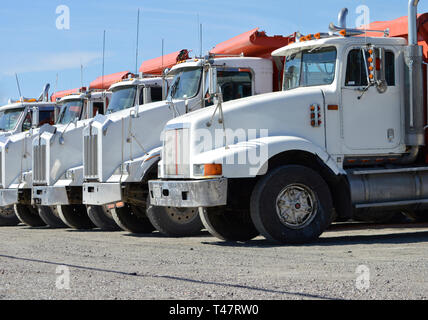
(9, 119)
(186, 82)
(70, 111)
(122, 99)
(307, 68)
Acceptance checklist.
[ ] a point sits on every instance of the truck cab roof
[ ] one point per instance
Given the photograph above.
(338, 42)
(218, 61)
(149, 82)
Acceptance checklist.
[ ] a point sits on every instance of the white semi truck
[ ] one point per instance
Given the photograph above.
(60, 168)
(18, 121)
(346, 134)
(119, 180)
(58, 161)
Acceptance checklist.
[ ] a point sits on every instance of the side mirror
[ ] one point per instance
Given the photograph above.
(375, 68)
(90, 109)
(35, 118)
(57, 111)
(379, 56)
(147, 95)
(212, 78)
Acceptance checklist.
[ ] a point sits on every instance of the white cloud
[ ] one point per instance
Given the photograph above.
(41, 62)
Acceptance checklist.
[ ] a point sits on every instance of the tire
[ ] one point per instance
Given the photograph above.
(175, 222)
(29, 215)
(228, 226)
(101, 218)
(132, 219)
(75, 216)
(299, 191)
(51, 217)
(8, 217)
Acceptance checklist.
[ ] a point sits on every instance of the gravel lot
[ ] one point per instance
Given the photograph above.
(118, 265)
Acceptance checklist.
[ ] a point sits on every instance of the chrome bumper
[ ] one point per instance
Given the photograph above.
(8, 197)
(101, 193)
(49, 196)
(188, 194)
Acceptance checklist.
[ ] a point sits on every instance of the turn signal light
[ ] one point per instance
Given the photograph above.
(213, 170)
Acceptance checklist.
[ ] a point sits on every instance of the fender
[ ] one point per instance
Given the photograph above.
(140, 167)
(250, 158)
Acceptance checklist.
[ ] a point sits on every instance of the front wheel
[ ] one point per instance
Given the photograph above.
(75, 216)
(132, 219)
(8, 217)
(228, 225)
(51, 217)
(102, 218)
(175, 222)
(29, 215)
(292, 204)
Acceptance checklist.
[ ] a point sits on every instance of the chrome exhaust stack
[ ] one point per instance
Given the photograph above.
(343, 14)
(44, 96)
(415, 133)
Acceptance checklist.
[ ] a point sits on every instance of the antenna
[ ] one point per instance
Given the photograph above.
(104, 49)
(138, 35)
(200, 39)
(198, 28)
(56, 83)
(81, 75)
(19, 88)
(163, 46)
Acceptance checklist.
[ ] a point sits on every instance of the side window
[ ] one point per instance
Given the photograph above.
(156, 94)
(235, 84)
(355, 71)
(98, 108)
(46, 116)
(390, 68)
(26, 125)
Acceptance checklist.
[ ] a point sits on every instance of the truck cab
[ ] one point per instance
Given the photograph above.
(345, 135)
(58, 166)
(18, 121)
(118, 181)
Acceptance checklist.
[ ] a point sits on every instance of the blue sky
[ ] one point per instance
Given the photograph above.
(33, 47)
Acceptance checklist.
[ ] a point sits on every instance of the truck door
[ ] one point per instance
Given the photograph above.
(371, 120)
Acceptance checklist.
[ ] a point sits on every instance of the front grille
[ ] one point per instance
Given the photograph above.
(39, 164)
(176, 152)
(90, 151)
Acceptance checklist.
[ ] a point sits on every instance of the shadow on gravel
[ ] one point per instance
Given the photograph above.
(175, 278)
(203, 234)
(395, 238)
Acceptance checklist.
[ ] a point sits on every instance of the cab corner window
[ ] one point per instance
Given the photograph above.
(234, 85)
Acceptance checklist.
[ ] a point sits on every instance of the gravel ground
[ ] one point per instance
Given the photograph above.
(118, 265)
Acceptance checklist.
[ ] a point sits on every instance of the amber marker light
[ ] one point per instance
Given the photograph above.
(213, 170)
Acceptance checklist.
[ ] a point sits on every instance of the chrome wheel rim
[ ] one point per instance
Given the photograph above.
(296, 206)
(182, 215)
